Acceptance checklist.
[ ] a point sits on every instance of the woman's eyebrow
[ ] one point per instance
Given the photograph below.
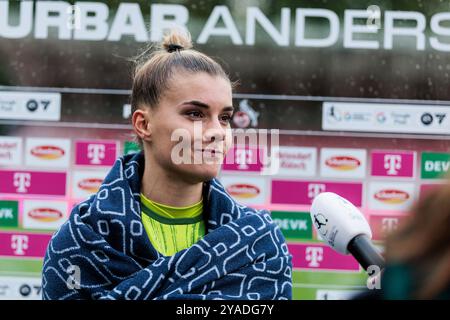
(228, 108)
(206, 106)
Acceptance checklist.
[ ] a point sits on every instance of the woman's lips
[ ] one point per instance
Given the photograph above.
(213, 152)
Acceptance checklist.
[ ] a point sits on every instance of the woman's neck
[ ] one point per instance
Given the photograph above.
(160, 186)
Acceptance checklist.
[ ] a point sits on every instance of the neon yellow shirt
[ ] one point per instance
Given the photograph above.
(172, 229)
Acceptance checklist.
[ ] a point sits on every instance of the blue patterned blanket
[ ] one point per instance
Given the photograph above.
(103, 252)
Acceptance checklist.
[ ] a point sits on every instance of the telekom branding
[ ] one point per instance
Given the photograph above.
(33, 182)
(23, 244)
(95, 153)
(303, 192)
(382, 225)
(243, 159)
(320, 256)
(393, 164)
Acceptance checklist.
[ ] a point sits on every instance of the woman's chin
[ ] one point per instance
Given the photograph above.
(204, 172)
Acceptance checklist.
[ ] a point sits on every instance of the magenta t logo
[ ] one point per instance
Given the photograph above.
(33, 245)
(320, 256)
(33, 182)
(383, 225)
(22, 180)
(389, 224)
(393, 164)
(303, 192)
(243, 158)
(314, 255)
(314, 189)
(19, 243)
(95, 153)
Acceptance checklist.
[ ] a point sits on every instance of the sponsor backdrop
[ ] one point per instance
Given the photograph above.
(354, 112)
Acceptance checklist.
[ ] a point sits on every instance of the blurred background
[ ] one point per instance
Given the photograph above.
(358, 91)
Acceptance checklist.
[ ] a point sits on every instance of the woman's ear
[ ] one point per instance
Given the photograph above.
(141, 124)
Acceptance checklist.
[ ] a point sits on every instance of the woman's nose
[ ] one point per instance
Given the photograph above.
(214, 132)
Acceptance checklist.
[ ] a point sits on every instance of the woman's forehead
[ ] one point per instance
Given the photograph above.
(209, 89)
(184, 82)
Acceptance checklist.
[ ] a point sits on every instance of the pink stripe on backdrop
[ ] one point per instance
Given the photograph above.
(317, 256)
(303, 192)
(33, 182)
(250, 162)
(19, 244)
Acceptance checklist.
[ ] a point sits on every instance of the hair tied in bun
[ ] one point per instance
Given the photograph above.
(174, 47)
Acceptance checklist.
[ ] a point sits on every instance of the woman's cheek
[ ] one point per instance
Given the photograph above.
(228, 141)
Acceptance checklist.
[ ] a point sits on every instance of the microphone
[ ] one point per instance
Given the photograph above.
(344, 228)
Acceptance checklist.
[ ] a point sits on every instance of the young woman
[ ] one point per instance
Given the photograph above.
(418, 254)
(162, 226)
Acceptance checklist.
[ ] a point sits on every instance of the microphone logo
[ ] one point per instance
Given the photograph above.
(321, 224)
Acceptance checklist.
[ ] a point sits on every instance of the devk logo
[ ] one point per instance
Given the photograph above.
(96, 153)
(22, 181)
(19, 243)
(314, 255)
(393, 163)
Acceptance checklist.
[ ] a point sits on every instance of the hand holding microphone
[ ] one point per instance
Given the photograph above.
(344, 228)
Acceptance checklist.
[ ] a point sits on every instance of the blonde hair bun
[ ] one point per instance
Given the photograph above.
(177, 40)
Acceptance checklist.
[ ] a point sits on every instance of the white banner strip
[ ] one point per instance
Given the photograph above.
(398, 118)
(30, 106)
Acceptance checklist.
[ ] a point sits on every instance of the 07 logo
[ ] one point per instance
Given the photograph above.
(427, 118)
(32, 105)
(25, 290)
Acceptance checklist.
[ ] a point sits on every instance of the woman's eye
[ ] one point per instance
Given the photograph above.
(195, 114)
(226, 118)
